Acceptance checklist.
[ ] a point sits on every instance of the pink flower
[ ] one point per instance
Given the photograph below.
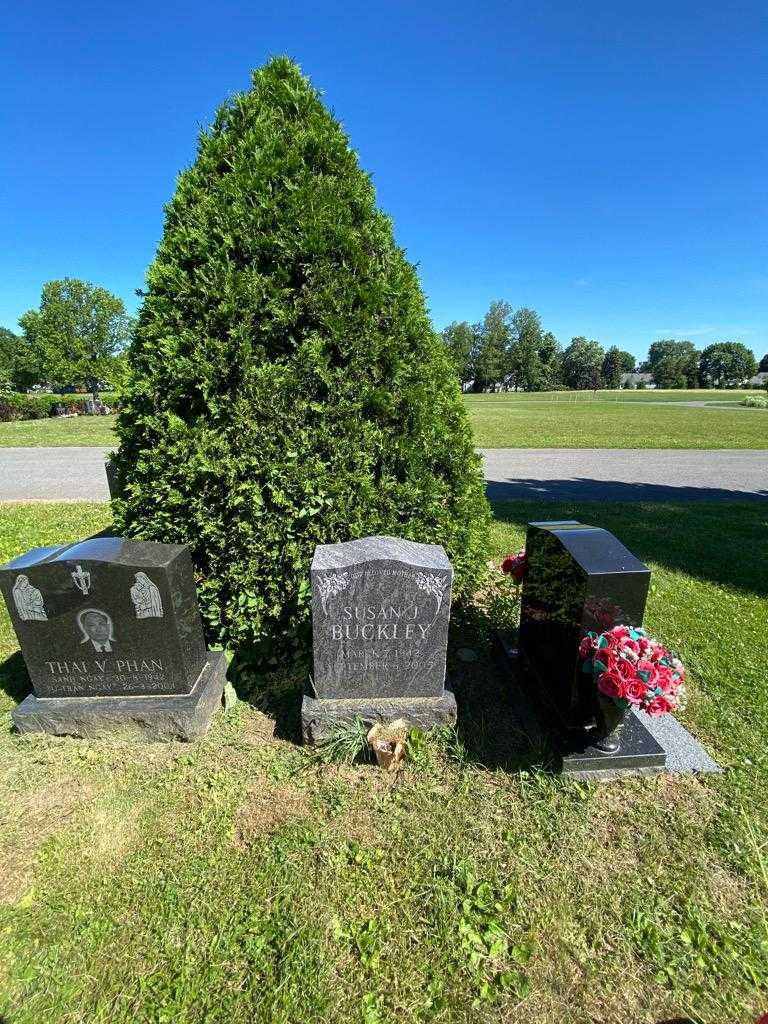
(625, 669)
(648, 666)
(660, 705)
(587, 647)
(665, 678)
(610, 684)
(641, 671)
(515, 565)
(635, 691)
(606, 657)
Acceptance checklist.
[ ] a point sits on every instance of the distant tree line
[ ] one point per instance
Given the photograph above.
(509, 350)
(80, 332)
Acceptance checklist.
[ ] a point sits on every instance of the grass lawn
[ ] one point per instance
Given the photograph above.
(240, 879)
(615, 419)
(646, 395)
(55, 432)
(577, 420)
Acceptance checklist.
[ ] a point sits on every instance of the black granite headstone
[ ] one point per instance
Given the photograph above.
(380, 614)
(579, 579)
(108, 619)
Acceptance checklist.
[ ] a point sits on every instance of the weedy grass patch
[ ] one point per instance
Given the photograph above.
(241, 878)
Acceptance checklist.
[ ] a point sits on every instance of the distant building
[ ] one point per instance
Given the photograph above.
(632, 380)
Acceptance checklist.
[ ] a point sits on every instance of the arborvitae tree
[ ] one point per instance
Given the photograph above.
(286, 387)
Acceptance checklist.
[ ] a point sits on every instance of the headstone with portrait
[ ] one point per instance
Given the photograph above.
(111, 635)
(380, 614)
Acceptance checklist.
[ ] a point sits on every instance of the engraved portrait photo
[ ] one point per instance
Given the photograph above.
(28, 600)
(96, 628)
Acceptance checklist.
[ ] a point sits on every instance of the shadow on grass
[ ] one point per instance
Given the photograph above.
(278, 695)
(588, 489)
(724, 543)
(492, 723)
(14, 678)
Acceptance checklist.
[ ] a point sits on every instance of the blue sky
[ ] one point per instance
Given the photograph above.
(604, 163)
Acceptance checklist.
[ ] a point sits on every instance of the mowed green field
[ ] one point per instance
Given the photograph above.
(615, 420)
(242, 879)
(59, 432)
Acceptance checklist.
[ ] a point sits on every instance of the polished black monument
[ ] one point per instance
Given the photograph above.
(111, 635)
(579, 579)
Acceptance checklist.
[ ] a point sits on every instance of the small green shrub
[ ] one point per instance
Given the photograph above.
(18, 406)
(285, 385)
(755, 401)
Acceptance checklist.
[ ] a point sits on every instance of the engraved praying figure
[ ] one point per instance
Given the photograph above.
(146, 598)
(330, 586)
(28, 600)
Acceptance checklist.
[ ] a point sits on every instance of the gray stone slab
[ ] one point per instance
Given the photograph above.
(685, 755)
(380, 613)
(639, 754)
(319, 718)
(149, 719)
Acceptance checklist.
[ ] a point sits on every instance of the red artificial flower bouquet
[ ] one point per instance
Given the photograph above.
(515, 565)
(632, 668)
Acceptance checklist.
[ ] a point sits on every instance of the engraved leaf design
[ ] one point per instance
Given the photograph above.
(331, 585)
(432, 585)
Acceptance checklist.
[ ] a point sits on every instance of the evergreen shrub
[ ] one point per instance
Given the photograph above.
(285, 385)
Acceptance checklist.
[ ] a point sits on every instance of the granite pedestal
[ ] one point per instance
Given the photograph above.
(320, 718)
(154, 718)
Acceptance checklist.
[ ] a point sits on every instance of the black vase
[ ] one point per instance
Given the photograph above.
(611, 719)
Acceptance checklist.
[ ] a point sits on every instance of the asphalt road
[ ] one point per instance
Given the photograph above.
(590, 474)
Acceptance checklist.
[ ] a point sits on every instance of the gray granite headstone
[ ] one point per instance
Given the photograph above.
(380, 613)
(108, 619)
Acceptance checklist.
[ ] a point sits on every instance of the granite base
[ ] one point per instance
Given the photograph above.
(320, 717)
(155, 718)
(639, 754)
